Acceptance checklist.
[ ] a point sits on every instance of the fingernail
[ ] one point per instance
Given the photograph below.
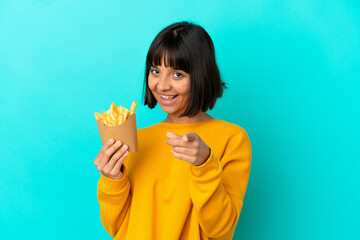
(111, 140)
(118, 143)
(124, 147)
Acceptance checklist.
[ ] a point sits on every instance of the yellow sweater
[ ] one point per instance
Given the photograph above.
(161, 197)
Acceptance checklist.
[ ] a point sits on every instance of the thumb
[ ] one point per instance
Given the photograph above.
(189, 137)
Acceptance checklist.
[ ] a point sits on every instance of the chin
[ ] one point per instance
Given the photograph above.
(168, 110)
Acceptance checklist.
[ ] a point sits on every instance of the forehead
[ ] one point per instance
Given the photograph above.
(172, 57)
(164, 65)
(165, 59)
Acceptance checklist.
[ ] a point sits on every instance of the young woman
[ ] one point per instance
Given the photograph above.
(189, 178)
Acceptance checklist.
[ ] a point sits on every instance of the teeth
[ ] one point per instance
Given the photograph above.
(167, 97)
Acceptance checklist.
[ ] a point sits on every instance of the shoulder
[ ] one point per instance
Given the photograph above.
(229, 129)
(224, 135)
(233, 136)
(237, 141)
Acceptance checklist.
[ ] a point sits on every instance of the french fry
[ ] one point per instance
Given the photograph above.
(120, 120)
(116, 115)
(121, 109)
(126, 113)
(114, 108)
(132, 108)
(98, 116)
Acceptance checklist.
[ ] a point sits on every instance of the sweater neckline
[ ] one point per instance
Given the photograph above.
(185, 125)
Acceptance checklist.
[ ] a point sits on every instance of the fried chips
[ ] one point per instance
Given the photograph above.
(116, 115)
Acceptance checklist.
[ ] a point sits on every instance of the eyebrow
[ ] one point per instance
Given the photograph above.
(152, 66)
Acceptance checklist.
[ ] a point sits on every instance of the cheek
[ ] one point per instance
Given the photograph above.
(184, 89)
(188, 90)
(152, 83)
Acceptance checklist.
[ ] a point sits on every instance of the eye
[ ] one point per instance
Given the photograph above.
(178, 75)
(154, 71)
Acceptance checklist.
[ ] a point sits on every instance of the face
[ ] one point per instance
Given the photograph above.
(170, 87)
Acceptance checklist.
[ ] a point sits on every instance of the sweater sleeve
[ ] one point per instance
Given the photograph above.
(218, 188)
(114, 199)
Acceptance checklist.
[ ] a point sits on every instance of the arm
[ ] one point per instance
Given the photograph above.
(113, 186)
(114, 199)
(218, 188)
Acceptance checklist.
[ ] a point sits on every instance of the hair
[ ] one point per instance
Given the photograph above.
(188, 47)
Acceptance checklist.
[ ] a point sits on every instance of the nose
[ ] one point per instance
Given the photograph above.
(164, 83)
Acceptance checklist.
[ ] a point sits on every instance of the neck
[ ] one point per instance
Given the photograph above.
(201, 116)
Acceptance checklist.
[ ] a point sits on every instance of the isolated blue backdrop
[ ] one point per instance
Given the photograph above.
(292, 69)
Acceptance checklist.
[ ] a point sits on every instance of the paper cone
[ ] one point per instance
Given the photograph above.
(126, 133)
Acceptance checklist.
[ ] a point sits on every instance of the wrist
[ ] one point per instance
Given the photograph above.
(205, 159)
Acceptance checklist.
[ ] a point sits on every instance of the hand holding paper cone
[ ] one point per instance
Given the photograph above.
(110, 159)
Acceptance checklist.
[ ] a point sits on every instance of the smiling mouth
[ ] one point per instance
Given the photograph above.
(168, 97)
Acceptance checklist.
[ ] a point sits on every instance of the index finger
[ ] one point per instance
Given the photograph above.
(106, 146)
(173, 135)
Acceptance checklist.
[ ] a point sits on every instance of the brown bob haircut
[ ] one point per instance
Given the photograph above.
(187, 47)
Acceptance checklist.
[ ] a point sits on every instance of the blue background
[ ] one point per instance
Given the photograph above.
(293, 72)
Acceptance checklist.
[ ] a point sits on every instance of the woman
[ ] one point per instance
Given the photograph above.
(189, 178)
